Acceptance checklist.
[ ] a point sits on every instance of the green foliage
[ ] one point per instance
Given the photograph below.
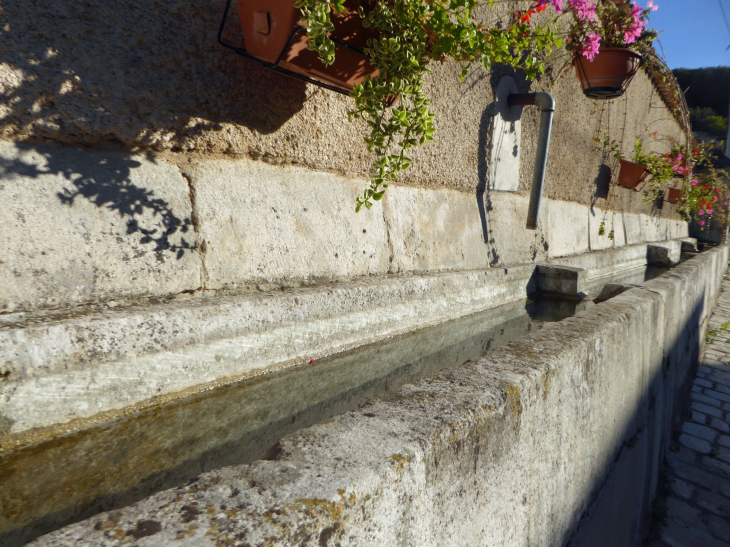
(706, 198)
(706, 120)
(412, 34)
(706, 87)
(661, 167)
(713, 333)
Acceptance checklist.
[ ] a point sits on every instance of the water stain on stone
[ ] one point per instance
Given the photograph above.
(6, 424)
(145, 528)
(189, 513)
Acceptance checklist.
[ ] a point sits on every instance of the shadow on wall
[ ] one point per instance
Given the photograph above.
(627, 483)
(105, 180)
(148, 74)
(486, 134)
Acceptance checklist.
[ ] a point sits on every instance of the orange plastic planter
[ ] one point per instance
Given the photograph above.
(267, 29)
(674, 195)
(610, 73)
(632, 175)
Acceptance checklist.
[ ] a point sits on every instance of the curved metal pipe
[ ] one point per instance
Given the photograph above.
(546, 103)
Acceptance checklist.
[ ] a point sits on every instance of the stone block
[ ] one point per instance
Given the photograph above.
(696, 444)
(436, 230)
(568, 228)
(712, 411)
(689, 245)
(665, 254)
(561, 279)
(706, 400)
(85, 226)
(724, 397)
(611, 220)
(700, 431)
(273, 224)
(703, 383)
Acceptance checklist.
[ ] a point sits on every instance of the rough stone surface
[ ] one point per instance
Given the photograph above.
(82, 226)
(260, 224)
(664, 254)
(126, 227)
(561, 279)
(568, 228)
(451, 459)
(49, 383)
(116, 73)
(699, 478)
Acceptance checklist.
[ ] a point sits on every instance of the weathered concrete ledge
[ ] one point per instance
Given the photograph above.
(56, 371)
(553, 439)
(665, 253)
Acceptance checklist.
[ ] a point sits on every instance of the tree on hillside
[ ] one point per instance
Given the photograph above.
(706, 87)
(707, 91)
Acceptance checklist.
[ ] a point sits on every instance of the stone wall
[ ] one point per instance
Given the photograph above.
(555, 439)
(162, 195)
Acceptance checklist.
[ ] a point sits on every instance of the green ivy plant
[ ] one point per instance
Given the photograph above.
(412, 33)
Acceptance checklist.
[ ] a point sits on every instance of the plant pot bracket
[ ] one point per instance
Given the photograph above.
(275, 65)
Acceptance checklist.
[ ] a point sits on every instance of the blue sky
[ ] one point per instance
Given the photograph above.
(693, 32)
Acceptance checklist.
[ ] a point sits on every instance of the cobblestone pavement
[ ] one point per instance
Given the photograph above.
(693, 506)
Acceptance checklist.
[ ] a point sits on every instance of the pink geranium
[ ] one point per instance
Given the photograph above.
(584, 9)
(557, 4)
(694, 182)
(633, 32)
(709, 211)
(700, 212)
(701, 223)
(591, 46)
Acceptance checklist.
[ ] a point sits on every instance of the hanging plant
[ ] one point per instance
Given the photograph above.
(705, 199)
(663, 168)
(410, 35)
(607, 40)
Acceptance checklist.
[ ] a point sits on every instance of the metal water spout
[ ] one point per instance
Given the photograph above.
(546, 103)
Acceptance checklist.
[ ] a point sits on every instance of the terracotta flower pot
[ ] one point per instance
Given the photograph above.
(632, 175)
(674, 195)
(610, 73)
(274, 32)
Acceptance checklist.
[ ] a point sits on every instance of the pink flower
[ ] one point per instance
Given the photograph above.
(557, 4)
(694, 182)
(702, 223)
(652, 6)
(633, 32)
(709, 211)
(584, 9)
(700, 212)
(591, 46)
(725, 204)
